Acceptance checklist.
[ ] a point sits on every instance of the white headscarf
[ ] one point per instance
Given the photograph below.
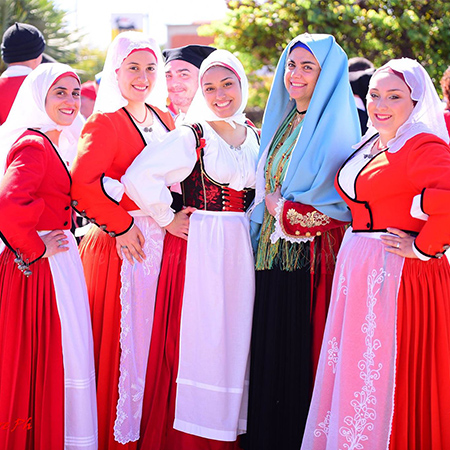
(198, 111)
(427, 115)
(109, 97)
(28, 111)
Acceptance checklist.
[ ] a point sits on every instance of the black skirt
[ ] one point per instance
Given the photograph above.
(281, 368)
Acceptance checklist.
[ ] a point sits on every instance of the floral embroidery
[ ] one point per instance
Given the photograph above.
(333, 354)
(341, 286)
(308, 220)
(364, 400)
(324, 427)
(138, 394)
(195, 191)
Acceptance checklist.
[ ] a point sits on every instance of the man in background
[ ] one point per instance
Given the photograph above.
(360, 71)
(182, 66)
(21, 49)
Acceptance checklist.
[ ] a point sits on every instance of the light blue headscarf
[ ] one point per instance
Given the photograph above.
(330, 128)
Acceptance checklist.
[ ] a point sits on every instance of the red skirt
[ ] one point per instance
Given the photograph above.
(31, 360)
(102, 266)
(422, 395)
(158, 413)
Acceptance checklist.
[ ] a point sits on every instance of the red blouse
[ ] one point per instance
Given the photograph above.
(108, 145)
(9, 86)
(386, 186)
(34, 195)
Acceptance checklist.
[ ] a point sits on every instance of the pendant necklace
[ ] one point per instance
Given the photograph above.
(378, 149)
(145, 129)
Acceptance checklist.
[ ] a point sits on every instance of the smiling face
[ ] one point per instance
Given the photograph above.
(182, 83)
(300, 76)
(389, 104)
(137, 75)
(63, 101)
(222, 91)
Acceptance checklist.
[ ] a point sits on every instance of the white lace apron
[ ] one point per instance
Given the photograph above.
(137, 297)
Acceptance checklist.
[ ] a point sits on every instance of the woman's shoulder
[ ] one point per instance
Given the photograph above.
(427, 148)
(33, 143)
(425, 138)
(33, 138)
(107, 117)
(106, 124)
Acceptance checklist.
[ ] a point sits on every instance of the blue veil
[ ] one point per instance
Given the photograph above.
(330, 128)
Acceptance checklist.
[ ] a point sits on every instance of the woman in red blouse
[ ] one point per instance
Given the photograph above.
(121, 253)
(47, 378)
(384, 369)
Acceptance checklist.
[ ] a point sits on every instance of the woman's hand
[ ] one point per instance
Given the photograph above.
(400, 243)
(130, 245)
(272, 200)
(55, 242)
(180, 224)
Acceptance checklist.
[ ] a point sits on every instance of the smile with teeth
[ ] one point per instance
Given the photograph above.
(140, 88)
(383, 116)
(68, 112)
(223, 104)
(297, 85)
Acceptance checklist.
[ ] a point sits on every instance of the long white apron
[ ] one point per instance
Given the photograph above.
(212, 382)
(80, 404)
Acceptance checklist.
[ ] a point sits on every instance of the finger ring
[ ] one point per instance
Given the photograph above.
(124, 246)
(398, 244)
(59, 241)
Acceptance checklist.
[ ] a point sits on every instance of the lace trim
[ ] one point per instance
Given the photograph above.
(279, 232)
(137, 297)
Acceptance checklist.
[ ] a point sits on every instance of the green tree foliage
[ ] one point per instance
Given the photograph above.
(89, 62)
(44, 15)
(257, 32)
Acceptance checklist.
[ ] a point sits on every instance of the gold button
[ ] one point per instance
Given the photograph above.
(307, 234)
(318, 233)
(297, 233)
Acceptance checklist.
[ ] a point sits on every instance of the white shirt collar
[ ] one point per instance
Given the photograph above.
(16, 71)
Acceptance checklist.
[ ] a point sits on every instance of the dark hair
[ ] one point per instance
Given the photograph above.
(359, 63)
(445, 84)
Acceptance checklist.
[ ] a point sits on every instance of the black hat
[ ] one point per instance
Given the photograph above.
(22, 42)
(194, 54)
